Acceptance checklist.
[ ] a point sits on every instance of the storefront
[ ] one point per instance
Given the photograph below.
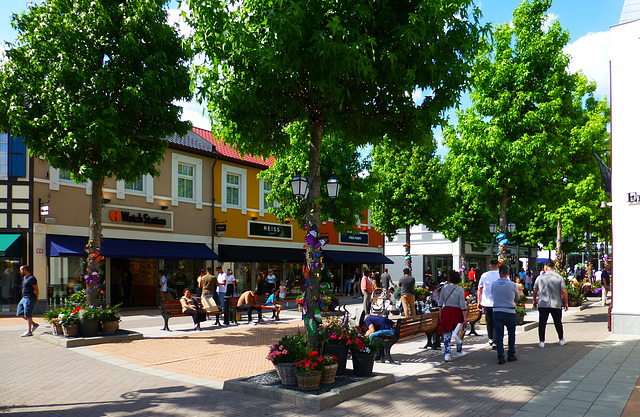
(130, 270)
(12, 249)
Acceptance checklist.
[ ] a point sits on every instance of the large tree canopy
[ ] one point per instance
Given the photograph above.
(90, 86)
(509, 147)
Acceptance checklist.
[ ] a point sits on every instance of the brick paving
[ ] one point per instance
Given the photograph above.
(39, 378)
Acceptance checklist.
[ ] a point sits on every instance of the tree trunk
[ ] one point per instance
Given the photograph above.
(502, 248)
(312, 290)
(559, 254)
(94, 244)
(407, 248)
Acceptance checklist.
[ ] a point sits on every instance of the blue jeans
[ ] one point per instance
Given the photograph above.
(500, 320)
(385, 332)
(347, 287)
(222, 294)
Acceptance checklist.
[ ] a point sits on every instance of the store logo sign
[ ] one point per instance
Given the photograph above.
(633, 198)
(136, 218)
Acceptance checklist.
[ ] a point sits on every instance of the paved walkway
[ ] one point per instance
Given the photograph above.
(181, 373)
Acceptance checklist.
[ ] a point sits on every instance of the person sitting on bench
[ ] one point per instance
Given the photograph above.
(249, 302)
(189, 307)
(273, 305)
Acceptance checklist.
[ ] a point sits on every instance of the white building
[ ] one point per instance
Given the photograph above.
(625, 170)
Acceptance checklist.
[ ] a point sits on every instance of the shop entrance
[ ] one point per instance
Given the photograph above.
(134, 282)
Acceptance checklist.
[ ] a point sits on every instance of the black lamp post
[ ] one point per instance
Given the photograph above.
(300, 186)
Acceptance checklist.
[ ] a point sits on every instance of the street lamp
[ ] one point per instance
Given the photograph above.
(511, 227)
(299, 186)
(333, 187)
(493, 228)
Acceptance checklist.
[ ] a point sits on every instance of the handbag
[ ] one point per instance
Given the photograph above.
(209, 304)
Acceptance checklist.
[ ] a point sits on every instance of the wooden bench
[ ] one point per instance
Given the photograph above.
(234, 312)
(173, 308)
(411, 326)
(473, 316)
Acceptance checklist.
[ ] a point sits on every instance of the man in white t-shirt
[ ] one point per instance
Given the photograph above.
(485, 298)
(163, 285)
(222, 285)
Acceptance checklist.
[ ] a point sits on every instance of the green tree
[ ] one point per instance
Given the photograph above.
(345, 67)
(408, 190)
(90, 86)
(507, 148)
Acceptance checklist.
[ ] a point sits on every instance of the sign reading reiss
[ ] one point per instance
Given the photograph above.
(133, 217)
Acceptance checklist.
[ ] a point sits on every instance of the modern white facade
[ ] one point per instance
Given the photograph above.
(625, 171)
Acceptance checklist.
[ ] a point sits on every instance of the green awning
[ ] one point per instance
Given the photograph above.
(11, 245)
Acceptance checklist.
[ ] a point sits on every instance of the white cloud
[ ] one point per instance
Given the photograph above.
(550, 18)
(194, 112)
(591, 54)
(176, 19)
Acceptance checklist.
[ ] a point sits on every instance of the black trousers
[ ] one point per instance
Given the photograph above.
(543, 314)
(198, 315)
(488, 314)
(250, 309)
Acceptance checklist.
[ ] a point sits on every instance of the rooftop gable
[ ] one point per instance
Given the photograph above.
(230, 151)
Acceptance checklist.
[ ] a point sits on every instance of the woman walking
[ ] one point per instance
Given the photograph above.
(453, 313)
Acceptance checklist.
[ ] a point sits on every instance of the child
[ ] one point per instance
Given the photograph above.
(271, 303)
(283, 293)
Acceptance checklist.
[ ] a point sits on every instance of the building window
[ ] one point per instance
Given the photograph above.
(186, 178)
(137, 185)
(4, 155)
(65, 175)
(233, 190)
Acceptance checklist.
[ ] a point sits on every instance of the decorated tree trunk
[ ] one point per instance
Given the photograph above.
(93, 247)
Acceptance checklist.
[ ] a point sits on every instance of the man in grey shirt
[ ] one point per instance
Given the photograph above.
(549, 296)
(386, 279)
(505, 293)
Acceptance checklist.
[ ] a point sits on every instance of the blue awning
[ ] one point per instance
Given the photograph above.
(127, 248)
(355, 257)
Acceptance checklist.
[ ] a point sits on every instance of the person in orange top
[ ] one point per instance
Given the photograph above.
(367, 289)
(249, 302)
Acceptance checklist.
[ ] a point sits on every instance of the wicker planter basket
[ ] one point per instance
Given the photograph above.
(71, 331)
(329, 374)
(310, 381)
(287, 373)
(56, 329)
(109, 327)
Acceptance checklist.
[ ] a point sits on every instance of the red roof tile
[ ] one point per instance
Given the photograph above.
(229, 151)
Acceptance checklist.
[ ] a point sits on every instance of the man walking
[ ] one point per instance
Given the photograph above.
(367, 289)
(30, 295)
(605, 277)
(210, 300)
(549, 296)
(386, 279)
(407, 285)
(485, 298)
(505, 293)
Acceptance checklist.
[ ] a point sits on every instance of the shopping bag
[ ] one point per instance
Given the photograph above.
(209, 304)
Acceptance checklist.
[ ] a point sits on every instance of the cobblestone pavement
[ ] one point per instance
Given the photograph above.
(180, 373)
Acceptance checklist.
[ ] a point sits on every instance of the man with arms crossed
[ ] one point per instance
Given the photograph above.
(505, 293)
(549, 296)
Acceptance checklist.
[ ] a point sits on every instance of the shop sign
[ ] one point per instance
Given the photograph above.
(281, 231)
(221, 227)
(633, 198)
(359, 239)
(135, 217)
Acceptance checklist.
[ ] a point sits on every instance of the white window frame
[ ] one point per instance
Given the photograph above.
(147, 188)
(263, 194)
(197, 180)
(55, 180)
(242, 194)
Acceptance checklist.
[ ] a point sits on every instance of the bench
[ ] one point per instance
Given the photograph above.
(173, 308)
(234, 312)
(473, 316)
(411, 326)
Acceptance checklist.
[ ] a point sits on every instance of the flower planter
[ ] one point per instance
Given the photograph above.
(300, 308)
(574, 303)
(520, 320)
(329, 374)
(287, 373)
(71, 331)
(89, 328)
(309, 381)
(56, 329)
(363, 363)
(339, 351)
(421, 297)
(109, 327)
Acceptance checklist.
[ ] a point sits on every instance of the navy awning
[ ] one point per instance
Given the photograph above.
(128, 248)
(229, 253)
(355, 257)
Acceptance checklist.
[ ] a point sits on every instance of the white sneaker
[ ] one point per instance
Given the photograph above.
(26, 334)
(541, 344)
(447, 358)
(460, 354)
(562, 342)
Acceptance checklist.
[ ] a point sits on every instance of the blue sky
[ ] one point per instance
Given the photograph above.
(588, 22)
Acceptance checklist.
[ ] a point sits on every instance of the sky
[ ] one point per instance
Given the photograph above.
(588, 23)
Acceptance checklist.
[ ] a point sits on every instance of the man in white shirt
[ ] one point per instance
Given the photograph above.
(485, 298)
(163, 285)
(222, 285)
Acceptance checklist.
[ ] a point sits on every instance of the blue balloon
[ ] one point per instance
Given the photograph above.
(500, 236)
(504, 241)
